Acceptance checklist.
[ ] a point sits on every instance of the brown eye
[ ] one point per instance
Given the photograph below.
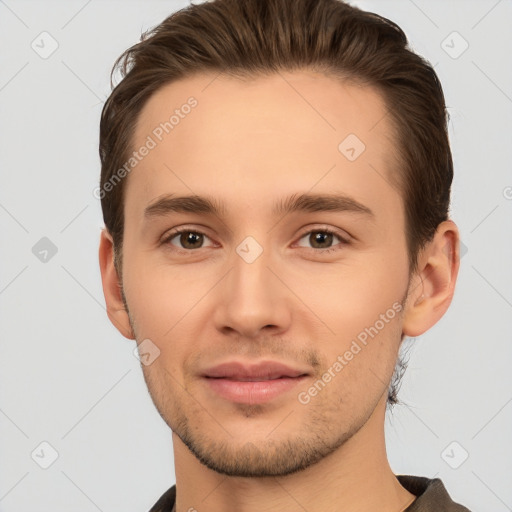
(323, 240)
(186, 239)
(191, 240)
(319, 238)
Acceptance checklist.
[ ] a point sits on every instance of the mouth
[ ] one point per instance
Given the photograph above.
(252, 391)
(254, 379)
(252, 384)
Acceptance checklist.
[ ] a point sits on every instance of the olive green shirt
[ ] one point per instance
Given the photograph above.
(431, 496)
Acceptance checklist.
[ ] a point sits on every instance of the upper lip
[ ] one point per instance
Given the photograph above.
(263, 370)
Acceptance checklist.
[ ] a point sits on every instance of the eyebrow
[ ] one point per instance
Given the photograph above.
(307, 203)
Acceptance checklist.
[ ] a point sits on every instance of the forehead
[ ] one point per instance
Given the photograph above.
(247, 140)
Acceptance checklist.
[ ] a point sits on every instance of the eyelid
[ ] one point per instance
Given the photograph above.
(342, 235)
(166, 239)
(344, 238)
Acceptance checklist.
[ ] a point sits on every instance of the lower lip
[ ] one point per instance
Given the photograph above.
(255, 392)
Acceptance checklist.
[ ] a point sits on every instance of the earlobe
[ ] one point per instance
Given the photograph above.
(432, 289)
(112, 287)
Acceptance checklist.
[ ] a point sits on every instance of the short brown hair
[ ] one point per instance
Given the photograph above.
(251, 38)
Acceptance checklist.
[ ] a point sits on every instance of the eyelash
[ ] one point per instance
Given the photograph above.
(179, 231)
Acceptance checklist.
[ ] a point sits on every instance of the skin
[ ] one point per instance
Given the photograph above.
(249, 144)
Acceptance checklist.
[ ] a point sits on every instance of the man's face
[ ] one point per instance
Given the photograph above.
(249, 284)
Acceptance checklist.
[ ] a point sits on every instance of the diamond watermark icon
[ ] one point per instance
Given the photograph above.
(351, 147)
(44, 45)
(463, 250)
(249, 249)
(44, 455)
(44, 250)
(454, 45)
(146, 352)
(454, 455)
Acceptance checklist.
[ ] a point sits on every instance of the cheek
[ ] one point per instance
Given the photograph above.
(166, 308)
(359, 369)
(363, 329)
(351, 295)
(160, 296)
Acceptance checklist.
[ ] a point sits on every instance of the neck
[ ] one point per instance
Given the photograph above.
(356, 478)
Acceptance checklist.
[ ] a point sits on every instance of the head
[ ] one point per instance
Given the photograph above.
(269, 109)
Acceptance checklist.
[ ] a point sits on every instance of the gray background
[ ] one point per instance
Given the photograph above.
(68, 378)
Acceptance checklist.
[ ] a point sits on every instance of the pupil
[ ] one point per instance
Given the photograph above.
(322, 237)
(190, 238)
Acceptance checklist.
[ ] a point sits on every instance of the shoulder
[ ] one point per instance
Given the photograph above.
(166, 501)
(431, 495)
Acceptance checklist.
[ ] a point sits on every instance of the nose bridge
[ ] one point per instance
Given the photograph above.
(252, 297)
(250, 264)
(250, 279)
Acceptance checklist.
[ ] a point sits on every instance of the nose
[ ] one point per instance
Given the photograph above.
(253, 298)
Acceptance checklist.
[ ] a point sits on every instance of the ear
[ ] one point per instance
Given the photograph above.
(112, 287)
(432, 287)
